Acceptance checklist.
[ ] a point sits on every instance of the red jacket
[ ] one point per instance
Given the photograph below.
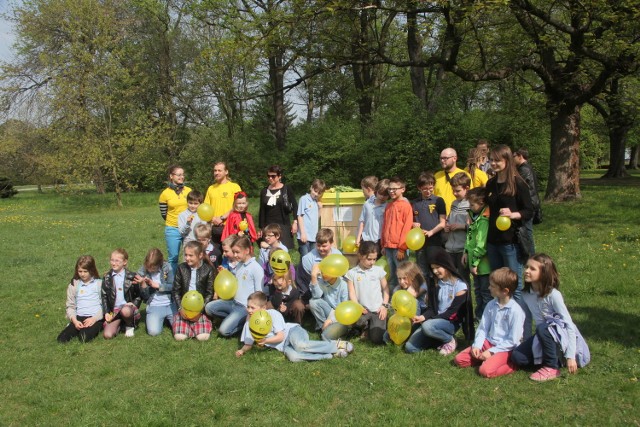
(398, 219)
(234, 219)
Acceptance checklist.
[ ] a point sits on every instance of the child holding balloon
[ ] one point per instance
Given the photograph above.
(367, 285)
(250, 278)
(448, 307)
(189, 219)
(410, 279)
(240, 221)
(328, 290)
(285, 297)
(289, 338)
(193, 274)
(84, 304)
(499, 331)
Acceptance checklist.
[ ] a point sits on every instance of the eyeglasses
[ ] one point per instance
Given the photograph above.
(270, 235)
(393, 190)
(272, 176)
(447, 158)
(179, 175)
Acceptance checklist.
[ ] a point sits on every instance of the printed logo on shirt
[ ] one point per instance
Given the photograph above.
(244, 277)
(432, 208)
(225, 194)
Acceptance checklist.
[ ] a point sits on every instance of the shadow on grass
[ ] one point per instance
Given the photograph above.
(607, 325)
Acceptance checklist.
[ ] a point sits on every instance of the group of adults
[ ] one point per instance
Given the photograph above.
(278, 205)
(511, 184)
(512, 191)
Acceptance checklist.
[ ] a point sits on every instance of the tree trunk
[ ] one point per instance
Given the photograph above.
(564, 163)
(276, 79)
(633, 160)
(617, 142)
(414, 47)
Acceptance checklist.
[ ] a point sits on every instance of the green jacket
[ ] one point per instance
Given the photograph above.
(476, 244)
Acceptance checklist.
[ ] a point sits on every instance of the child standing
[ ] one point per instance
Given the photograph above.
(499, 331)
(447, 309)
(429, 213)
(212, 253)
(367, 285)
(456, 225)
(120, 296)
(289, 338)
(155, 278)
(326, 293)
(309, 216)
(475, 247)
(238, 215)
(250, 279)
(193, 274)
(84, 305)
(553, 324)
(370, 222)
(285, 297)
(398, 217)
(189, 219)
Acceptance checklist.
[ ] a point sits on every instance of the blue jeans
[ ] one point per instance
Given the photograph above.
(334, 331)
(174, 241)
(233, 313)
(523, 354)
(320, 310)
(305, 248)
(156, 317)
(482, 293)
(299, 347)
(392, 260)
(431, 334)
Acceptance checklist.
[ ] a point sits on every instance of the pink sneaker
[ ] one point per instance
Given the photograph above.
(545, 374)
(448, 348)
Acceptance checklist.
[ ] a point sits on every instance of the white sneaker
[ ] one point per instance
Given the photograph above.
(130, 332)
(448, 348)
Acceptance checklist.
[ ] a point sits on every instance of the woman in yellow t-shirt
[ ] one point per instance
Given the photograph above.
(172, 201)
(478, 177)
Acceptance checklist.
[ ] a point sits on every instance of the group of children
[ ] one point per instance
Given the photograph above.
(439, 279)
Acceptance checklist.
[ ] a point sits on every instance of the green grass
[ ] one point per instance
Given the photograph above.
(156, 381)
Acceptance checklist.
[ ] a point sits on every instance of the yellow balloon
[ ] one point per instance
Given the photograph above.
(243, 225)
(225, 285)
(205, 212)
(349, 245)
(415, 239)
(190, 315)
(404, 303)
(193, 301)
(348, 312)
(334, 265)
(503, 223)
(260, 324)
(280, 262)
(382, 262)
(399, 328)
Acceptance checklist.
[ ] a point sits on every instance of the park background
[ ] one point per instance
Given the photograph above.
(99, 97)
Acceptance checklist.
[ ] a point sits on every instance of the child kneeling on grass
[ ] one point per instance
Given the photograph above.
(289, 338)
(499, 331)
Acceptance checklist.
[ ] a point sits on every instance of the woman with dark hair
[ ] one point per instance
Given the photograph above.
(277, 205)
(507, 195)
(172, 201)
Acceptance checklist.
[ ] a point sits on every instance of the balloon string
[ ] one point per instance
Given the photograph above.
(338, 229)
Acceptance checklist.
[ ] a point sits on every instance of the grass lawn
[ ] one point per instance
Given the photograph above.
(157, 381)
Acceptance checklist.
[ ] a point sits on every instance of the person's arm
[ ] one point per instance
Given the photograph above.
(382, 312)
(184, 225)
(274, 340)
(458, 301)
(480, 249)
(176, 291)
(316, 290)
(245, 348)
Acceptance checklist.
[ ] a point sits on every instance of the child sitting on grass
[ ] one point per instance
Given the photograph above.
(289, 338)
(120, 296)
(499, 331)
(155, 278)
(84, 305)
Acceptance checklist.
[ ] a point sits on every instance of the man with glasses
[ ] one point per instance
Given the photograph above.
(448, 159)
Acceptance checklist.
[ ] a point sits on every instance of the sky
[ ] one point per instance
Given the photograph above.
(6, 32)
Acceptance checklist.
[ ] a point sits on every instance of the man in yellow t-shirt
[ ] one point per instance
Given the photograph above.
(220, 197)
(448, 159)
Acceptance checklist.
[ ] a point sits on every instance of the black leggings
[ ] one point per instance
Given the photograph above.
(84, 334)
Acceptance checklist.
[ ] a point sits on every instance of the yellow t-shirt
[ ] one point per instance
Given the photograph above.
(443, 188)
(480, 178)
(220, 197)
(176, 204)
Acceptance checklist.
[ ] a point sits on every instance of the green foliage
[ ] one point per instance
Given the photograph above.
(6, 188)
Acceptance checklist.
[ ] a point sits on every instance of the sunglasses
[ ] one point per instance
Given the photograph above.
(272, 176)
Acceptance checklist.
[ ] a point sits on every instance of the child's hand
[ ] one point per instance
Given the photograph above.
(264, 245)
(190, 219)
(415, 225)
(382, 313)
(315, 270)
(78, 324)
(474, 271)
(485, 355)
(283, 308)
(108, 317)
(448, 227)
(138, 279)
(303, 237)
(572, 366)
(239, 353)
(89, 322)
(400, 255)
(506, 212)
(262, 342)
(417, 319)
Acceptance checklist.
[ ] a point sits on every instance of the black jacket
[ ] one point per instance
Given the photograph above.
(131, 291)
(205, 275)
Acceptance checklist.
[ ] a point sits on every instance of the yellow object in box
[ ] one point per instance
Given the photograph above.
(340, 212)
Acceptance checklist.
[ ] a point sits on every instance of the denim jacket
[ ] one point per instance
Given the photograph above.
(166, 282)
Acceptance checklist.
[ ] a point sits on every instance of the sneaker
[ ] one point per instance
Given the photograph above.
(341, 353)
(129, 332)
(448, 348)
(545, 374)
(345, 345)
